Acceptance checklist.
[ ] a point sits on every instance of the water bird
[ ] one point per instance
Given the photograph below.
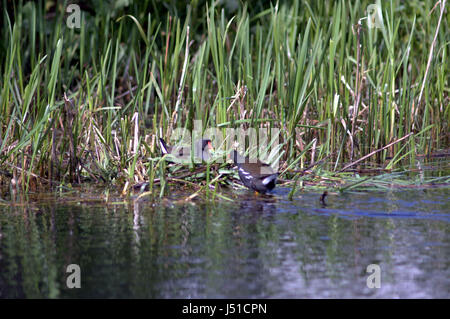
(257, 176)
(202, 148)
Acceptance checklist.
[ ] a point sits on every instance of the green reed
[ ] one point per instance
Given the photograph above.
(315, 70)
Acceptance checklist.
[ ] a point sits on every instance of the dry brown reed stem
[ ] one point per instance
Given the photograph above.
(376, 151)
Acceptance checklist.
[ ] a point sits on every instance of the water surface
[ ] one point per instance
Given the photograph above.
(253, 247)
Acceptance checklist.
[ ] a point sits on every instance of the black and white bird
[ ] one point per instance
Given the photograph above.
(257, 176)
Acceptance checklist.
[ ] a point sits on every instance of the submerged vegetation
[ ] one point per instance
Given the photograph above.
(87, 104)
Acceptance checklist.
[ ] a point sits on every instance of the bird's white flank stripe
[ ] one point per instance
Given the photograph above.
(244, 172)
(268, 179)
(164, 150)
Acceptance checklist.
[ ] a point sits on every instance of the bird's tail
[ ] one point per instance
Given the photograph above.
(163, 145)
(270, 179)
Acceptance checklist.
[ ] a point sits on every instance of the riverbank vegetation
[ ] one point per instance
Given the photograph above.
(86, 104)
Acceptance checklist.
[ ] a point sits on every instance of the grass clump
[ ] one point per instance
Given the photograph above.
(87, 104)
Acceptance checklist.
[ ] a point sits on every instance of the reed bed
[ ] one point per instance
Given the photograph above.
(86, 105)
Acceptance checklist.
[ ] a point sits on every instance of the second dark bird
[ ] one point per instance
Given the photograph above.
(202, 150)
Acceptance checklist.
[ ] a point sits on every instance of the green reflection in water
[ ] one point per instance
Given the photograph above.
(253, 247)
